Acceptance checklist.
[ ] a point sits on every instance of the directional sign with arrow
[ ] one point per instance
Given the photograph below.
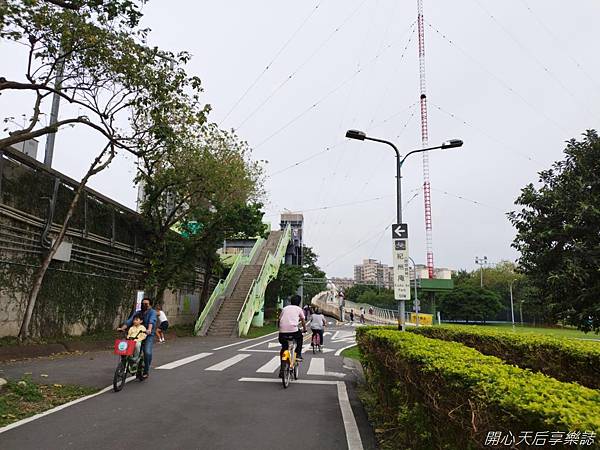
(400, 231)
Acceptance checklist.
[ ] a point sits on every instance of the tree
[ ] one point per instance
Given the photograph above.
(469, 304)
(93, 55)
(311, 270)
(558, 234)
(204, 182)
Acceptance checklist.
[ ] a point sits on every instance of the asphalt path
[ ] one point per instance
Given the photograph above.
(203, 393)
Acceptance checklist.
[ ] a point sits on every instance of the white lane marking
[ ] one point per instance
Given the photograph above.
(273, 344)
(181, 362)
(271, 366)
(277, 380)
(317, 367)
(338, 353)
(57, 408)
(352, 433)
(249, 348)
(228, 362)
(244, 341)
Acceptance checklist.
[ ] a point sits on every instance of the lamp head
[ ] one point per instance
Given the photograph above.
(356, 134)
(452, 143)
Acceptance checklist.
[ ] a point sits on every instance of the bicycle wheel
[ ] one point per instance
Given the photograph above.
(295, 370)
(139, 373)
(285, 374)
(120, 376)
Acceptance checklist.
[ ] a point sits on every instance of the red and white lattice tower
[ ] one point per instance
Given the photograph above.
(425, 140)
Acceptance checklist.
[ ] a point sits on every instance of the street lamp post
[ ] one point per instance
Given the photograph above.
(417, 306)
(512, 311)
(481, 262)
(362, 136)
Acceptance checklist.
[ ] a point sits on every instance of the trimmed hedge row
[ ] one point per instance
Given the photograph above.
(444, 395)
(564, 359)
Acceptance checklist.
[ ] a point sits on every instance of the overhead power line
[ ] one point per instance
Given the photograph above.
(304, 63)
(272, 61)
(499, 80)
(534, 58)
(550, 33)
(324, 97)
(484, 133)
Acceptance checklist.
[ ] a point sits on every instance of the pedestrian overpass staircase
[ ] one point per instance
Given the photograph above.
(238, 298)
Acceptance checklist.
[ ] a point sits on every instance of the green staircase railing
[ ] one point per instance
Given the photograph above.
(223, 285)
(256, 294)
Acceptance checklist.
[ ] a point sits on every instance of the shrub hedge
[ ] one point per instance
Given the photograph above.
(563, 359)
(444, 395)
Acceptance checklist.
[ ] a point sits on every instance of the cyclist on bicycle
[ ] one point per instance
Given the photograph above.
(288, 326)
(149, 321)
(317, 324)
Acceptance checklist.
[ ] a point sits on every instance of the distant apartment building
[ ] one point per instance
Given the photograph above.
(374, 272)
(342, 283)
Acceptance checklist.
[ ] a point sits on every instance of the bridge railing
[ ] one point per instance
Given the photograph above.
(256, 294)
(213, 303)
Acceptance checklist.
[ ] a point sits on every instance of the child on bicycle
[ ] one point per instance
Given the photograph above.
(137, 331)
(317, 324)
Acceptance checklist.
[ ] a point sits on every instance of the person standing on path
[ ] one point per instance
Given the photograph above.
(163, 324)
(149, 318)
(352, 315)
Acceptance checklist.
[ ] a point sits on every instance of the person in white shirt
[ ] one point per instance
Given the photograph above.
(317, 324)
(163, 324)
(288, 326)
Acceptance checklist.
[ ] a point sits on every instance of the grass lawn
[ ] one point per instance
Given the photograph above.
(569, 333)
(352, 352)
(24, 398)
(269, 327)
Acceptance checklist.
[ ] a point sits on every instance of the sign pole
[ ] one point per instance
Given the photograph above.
(401, 269)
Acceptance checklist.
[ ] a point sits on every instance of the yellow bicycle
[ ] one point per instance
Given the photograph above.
(289, 364)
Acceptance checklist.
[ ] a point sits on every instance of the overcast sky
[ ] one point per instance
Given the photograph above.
(513, 79)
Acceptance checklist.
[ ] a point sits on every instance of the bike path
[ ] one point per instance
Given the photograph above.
(203, 404)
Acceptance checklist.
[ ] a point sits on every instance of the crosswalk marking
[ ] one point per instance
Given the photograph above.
(181, 362)
(271, 366)
(317, 367)
(228, 362)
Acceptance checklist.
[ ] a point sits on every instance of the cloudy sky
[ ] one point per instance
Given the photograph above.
(513, 79)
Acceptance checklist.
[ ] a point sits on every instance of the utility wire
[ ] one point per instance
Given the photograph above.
(534, 58)
(497, 78)
(272, 61)
(306, 61)
(410, 29)
(548, 31)
(484, 133)
(462, 197)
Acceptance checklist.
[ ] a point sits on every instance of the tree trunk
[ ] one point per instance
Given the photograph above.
(41, 272)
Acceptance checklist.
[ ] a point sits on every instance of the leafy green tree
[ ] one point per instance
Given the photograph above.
(558, 234)
(94, 56)
(311, 270)
(469, 304)
(204, 182)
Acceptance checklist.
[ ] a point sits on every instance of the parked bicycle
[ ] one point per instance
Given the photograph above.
(128, 364)
(290, 365)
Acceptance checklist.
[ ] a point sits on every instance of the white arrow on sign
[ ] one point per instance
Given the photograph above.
(398, 230)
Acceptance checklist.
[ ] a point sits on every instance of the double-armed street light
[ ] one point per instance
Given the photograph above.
(362, 136)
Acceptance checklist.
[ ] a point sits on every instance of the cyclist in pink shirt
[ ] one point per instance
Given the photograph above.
(288, 326)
